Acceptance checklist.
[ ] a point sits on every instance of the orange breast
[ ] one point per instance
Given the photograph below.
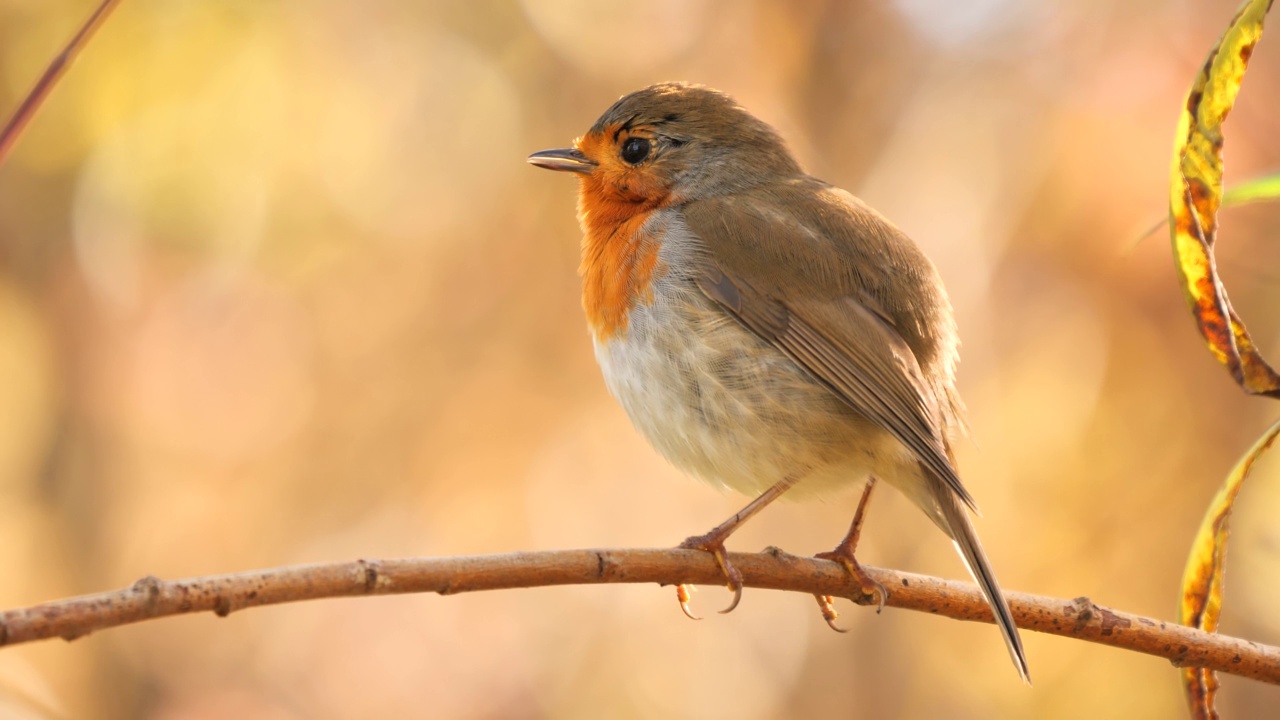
(619, 259)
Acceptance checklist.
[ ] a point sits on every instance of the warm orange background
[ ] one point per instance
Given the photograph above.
(277, 286)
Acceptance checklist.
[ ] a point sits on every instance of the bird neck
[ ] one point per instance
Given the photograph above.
(619, 258)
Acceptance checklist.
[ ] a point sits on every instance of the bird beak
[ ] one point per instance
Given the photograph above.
(565, 159)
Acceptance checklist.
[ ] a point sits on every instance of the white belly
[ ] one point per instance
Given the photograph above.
(725, 406)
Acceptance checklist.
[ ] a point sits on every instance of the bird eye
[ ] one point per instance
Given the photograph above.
(635, 150)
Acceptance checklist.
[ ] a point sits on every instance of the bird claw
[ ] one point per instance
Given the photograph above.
(829, 612)
(733, 578)
(870, 586)
(736, 587)
(682, 596)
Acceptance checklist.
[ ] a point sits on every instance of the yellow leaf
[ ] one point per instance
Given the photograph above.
(1202, 580)
(1196, 194)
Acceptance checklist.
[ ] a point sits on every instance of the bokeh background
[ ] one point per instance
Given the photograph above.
(277, 286)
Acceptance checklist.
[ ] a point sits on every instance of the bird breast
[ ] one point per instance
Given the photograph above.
(718, 401)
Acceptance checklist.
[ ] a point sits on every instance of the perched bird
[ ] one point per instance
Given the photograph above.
(766, 331)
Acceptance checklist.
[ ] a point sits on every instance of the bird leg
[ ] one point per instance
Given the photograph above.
(843, 554)
(713, 542)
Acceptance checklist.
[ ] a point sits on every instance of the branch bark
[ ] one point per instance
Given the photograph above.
(772, 569)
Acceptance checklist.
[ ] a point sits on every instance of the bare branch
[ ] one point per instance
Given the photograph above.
(773, 569)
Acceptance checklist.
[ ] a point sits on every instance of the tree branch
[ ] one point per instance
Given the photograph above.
(773, 569)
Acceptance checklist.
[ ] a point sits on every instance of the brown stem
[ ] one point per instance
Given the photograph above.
(35, 98)
(1079, 618)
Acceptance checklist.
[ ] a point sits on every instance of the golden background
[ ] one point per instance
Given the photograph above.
(277, 286)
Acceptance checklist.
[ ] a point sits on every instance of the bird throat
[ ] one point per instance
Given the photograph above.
(619, 257)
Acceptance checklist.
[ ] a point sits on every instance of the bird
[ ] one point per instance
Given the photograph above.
(766, 331)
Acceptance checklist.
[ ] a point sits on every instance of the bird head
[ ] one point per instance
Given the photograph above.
(668, 144)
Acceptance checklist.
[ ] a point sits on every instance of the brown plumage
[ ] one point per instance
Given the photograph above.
(766, 331)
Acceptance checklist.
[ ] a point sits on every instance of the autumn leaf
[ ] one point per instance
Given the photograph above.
(1202, 580)
(1196, 195)
(1250, 191)
(27, 110)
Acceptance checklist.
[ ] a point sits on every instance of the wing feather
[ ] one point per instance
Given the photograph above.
(826, 327)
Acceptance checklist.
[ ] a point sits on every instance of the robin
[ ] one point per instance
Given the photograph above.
(766, 331)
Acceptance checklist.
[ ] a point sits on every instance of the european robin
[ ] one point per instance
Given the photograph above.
(766, 331)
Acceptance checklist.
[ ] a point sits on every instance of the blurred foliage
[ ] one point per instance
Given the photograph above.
(1256, 190)
(276, 285)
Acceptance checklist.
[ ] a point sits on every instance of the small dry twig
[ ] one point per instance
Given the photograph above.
(12, 130)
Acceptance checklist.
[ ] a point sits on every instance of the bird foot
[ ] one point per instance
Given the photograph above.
(712, 543)
(871, 588)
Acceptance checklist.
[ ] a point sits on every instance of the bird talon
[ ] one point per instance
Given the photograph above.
(682, 595)
(733, 578)
(737, 597)
(881, 595)
(870, 587)
(829, 613)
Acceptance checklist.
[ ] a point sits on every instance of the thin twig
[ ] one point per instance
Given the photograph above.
(773, 569)
(35, 98)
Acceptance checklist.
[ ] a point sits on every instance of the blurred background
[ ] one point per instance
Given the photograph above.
(277, 286)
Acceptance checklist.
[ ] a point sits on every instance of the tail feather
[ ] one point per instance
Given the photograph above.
(966, 541)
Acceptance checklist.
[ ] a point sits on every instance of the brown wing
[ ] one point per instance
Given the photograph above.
(782, 279)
